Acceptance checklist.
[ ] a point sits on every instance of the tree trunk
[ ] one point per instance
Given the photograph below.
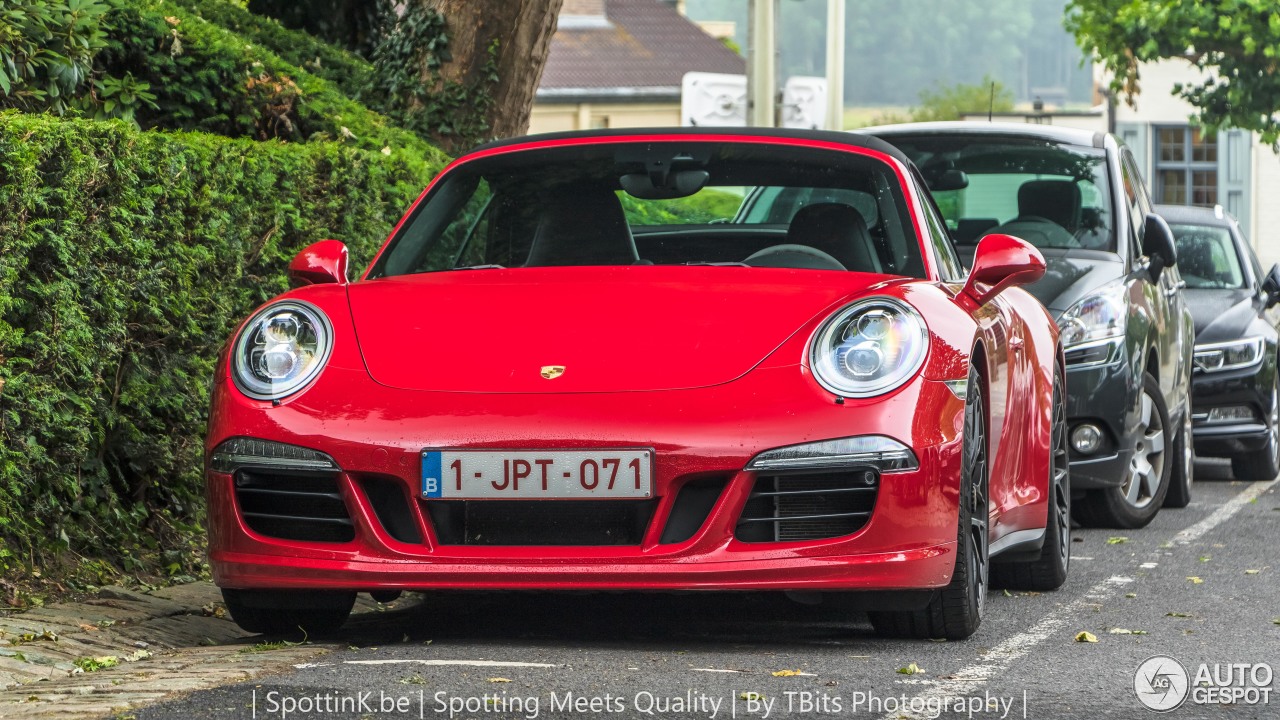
(522, 30)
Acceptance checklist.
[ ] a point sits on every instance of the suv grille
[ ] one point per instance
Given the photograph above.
(808, 507)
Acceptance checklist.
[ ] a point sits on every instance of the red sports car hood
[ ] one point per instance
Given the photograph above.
(610, 329)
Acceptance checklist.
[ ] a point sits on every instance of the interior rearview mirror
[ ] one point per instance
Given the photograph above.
(1158, 245)
(1001, 262)
(322, 262)
(948, 179)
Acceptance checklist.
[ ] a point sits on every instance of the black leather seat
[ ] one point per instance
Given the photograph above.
(582, 226)
(838, 230)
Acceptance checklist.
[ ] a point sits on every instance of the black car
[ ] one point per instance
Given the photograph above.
(1112, 284)
(1234, 386)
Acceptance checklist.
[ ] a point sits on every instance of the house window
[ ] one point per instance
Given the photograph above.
(1186, 167)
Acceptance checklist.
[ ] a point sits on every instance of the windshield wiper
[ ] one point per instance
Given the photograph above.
(480, 267)
(718, 264)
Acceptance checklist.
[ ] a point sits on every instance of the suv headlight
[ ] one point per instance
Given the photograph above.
(282, 348)
(869, 347)
(1234, 355)
(1100, 316)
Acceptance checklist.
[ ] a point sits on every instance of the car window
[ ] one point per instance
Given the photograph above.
(1207, 257)
(1053, 195)
(952, 269)
(691, 203)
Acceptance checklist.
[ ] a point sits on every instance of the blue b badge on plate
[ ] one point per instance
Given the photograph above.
(431, 479)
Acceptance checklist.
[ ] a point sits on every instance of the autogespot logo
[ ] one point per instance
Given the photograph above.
(1161, 683)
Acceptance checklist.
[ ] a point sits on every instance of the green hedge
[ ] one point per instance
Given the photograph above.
(126, 258)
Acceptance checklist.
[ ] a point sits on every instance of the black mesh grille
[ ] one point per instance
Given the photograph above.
(293, 506)
(540, 522)
(808, 507)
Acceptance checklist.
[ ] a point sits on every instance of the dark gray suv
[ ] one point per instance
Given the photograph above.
(1112, 284)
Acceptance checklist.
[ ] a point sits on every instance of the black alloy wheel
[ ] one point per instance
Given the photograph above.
(955, 612)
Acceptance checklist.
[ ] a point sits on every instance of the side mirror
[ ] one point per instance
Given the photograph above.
(323, 262)
(1000, 262)
(1158, 245)
(1271, 286)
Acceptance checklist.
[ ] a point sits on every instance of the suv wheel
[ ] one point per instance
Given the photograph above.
(1135, 502)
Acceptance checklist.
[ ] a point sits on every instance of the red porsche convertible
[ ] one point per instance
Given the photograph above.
(652, 361)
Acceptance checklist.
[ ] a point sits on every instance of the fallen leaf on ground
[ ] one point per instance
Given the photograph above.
(1117, 540)
(88, 628)
(1007, 593)
(1085, 636)
(498, 680)
(1177, 615)
(1195, 580)
(1131, 595)
(912, 669)
(787, 673)
(1126, 631)
(750, 696)
(1252, 572)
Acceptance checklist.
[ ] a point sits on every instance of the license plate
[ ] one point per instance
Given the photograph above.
(537, 474)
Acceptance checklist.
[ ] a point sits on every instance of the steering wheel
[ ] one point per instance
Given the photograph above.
(794, 256)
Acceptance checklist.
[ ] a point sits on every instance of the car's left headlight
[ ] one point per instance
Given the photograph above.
(1233, 355)
(282, 348)
(869, 347)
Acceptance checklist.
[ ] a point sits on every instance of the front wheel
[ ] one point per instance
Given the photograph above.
(285, 612)
(1135, 502)
(1184, 459)
(1263, 464)
(1049, 570)
(956, 611)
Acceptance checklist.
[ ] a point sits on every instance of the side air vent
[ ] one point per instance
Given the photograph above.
(693, 504)
(808, 507)
(293, 506)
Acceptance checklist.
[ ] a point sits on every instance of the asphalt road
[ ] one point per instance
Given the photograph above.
(1199, 585)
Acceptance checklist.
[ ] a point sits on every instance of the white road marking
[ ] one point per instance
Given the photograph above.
(1004, 655)
(466, 663)
(1222, 514)
(718, 670)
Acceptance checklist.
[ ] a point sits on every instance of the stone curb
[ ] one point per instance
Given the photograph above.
(175, 639)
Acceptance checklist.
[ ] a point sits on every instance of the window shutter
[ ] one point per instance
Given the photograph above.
(1135, 135)
(1234, 158)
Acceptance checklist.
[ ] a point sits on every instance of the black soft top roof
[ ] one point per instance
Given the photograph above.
(843, 138)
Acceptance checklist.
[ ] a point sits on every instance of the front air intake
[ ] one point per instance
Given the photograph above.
(293, 506)
(813, 506)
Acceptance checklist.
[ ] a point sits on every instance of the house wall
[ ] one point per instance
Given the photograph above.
(554, 117)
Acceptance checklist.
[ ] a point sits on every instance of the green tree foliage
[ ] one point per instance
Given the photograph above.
(126, 258)
(950, 103)
(1237, 42)
(47, 51)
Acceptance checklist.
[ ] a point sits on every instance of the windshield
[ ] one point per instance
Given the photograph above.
(1050, 194)
(661, 204)
(1207, 257)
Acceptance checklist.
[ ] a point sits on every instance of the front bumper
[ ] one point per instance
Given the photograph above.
(1242, 387)
(1105, 395)
(908, 543)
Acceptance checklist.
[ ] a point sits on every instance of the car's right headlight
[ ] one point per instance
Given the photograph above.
(281, 349)
(869, 348)
(1101, 315)
(1232, 355)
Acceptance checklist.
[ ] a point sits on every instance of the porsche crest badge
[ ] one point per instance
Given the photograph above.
(551, 372)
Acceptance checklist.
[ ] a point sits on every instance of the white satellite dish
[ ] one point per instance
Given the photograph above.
(713, 100)
(804, 103)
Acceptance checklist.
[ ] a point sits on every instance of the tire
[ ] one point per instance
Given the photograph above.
(1183, 457)
(288, 612)
(1049, 571)
(1263, 464)
(955, 612)
(1135, 502)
